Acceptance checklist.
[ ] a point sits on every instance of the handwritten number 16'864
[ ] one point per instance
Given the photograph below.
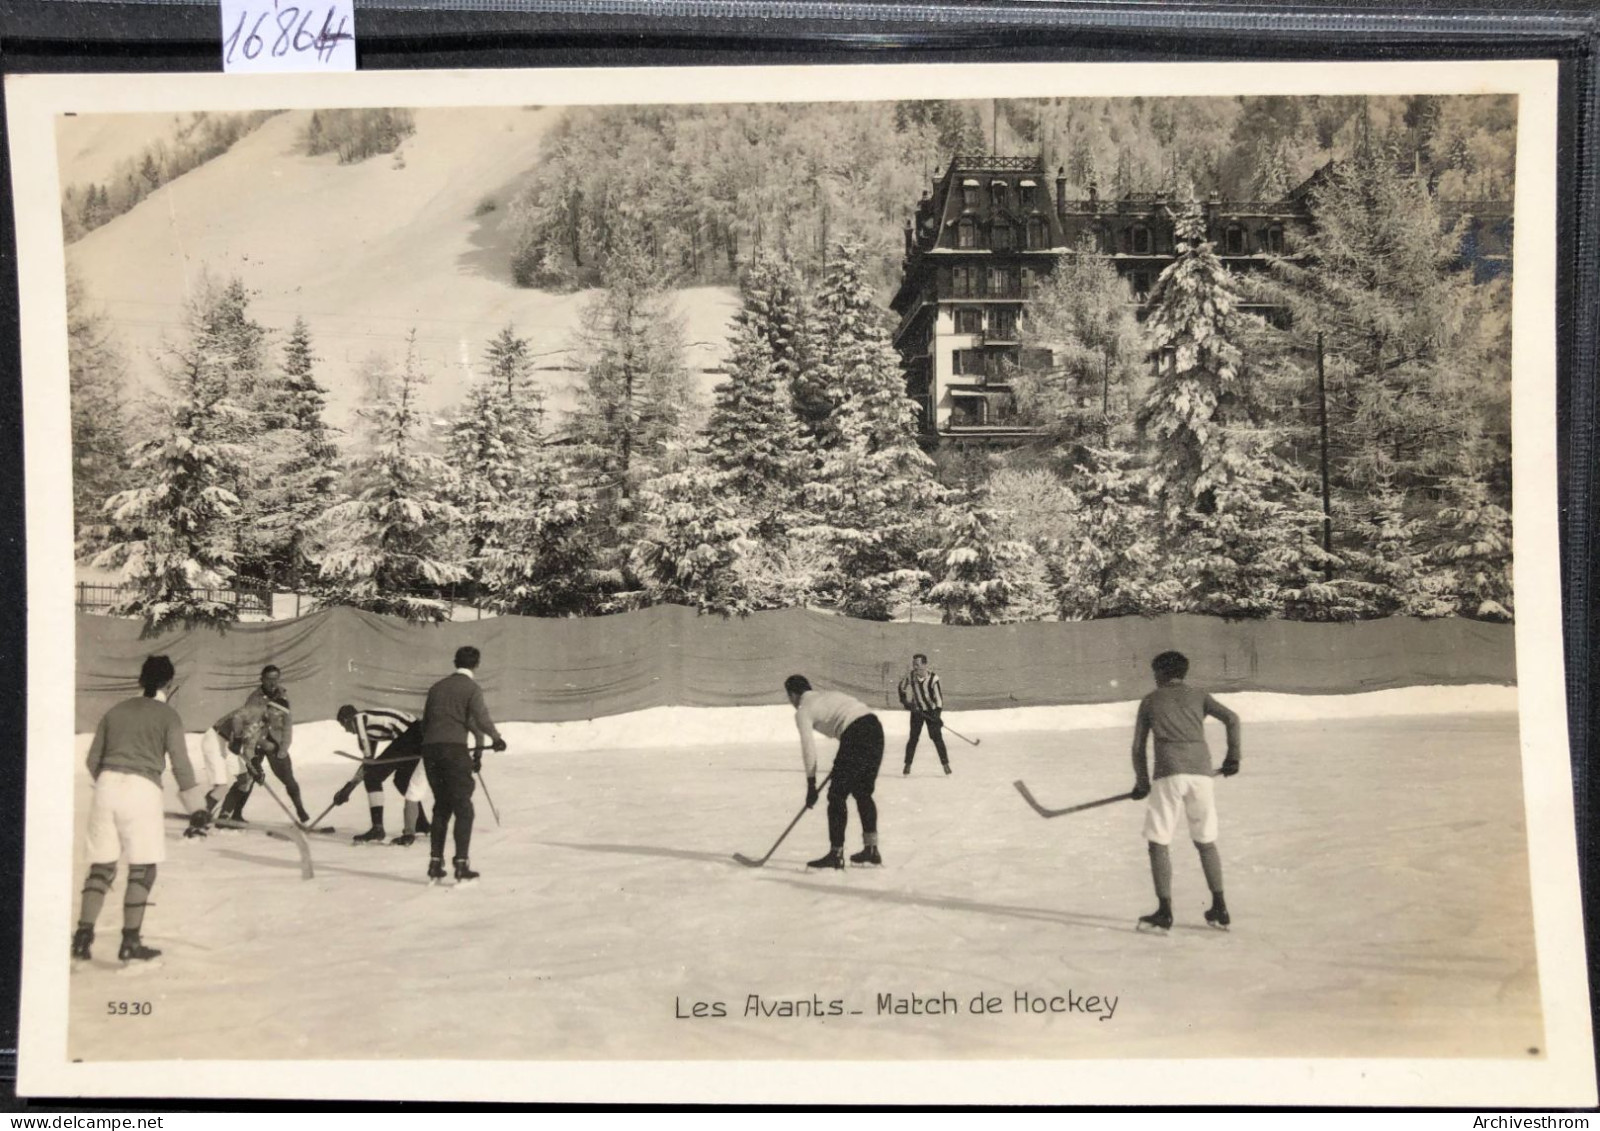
(293, 27)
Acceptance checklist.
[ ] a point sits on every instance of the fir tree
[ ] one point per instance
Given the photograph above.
(1473, 541)
(537, 558)
(693, 539)
(96, 373)
(848, 345)
(173, 535)
(393, 546)
(1106, 565)
(980, 572)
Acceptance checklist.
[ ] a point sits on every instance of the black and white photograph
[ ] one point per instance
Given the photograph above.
(989, 584)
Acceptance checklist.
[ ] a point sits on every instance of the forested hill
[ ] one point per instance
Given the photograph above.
(716, 184)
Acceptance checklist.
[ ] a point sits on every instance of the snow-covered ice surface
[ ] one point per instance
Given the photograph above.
(1376, 869)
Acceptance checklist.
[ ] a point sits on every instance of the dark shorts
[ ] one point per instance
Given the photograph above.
(855, 767)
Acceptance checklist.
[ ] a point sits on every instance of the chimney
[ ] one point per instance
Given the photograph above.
(909, 242)
(1061, 191)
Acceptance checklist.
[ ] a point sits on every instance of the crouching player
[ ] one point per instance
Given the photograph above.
(225, 747)
(400, 758)
(1175, 715)
(131, 748)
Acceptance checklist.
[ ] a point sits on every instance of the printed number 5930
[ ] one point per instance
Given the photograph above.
(129, 1008)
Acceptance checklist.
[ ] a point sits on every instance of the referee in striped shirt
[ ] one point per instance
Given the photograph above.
(920, 694)
(403, 733)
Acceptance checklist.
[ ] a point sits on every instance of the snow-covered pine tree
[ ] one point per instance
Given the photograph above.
(693, 537)
(1109, 563)
(847, 341)
(537, 559)
(1472, 540)
(173, 535)
(1083, 315)
(396, 544)
(96, 374)
(979, 571)
(294, 460)
(1383, 570)
(495, 438)
(875, 501)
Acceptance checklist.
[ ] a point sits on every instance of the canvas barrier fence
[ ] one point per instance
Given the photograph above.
(547, 670)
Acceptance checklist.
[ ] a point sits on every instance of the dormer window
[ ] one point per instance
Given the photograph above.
(997, 194)
(1025, 194)
(1233, 240)
(1275, 241)
(1038, 233)
(969, 194)
(966, 234)
(1139, 239)
(1000, 237)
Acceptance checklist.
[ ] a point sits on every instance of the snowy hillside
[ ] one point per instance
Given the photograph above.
(363, 252)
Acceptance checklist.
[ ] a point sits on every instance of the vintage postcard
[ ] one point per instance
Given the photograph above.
(710, 585)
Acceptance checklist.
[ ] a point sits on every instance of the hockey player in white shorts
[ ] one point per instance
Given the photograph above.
(1174, 714)
(131, 747)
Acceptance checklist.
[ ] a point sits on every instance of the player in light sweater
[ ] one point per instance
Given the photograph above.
(131, 748)
(1175, 715)
(855, 766)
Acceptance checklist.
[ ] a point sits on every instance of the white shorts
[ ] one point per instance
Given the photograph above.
(125, 819)
(222, 764)
(1195, 794)
(417, 787)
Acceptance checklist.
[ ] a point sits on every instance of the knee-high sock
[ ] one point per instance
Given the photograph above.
(375, 807)
(141, 878)
(95, 886)
(465, 812)
(868, 809)
(1161, 870)
(413, 810)
(838, 817)
(1211, 861)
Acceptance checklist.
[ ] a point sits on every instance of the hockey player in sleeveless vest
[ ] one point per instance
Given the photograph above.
(855, 766)
(455, 708)
(1174, 714)
(131, 749)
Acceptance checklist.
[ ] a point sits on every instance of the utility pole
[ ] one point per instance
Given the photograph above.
(1327, 509)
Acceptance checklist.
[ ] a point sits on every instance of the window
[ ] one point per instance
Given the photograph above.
(1027, 282)
(1233, 240)
(1275, 241)
(967, 363)
(969, 194)
(961, 282)
(969, 320)
(1139, 239)
(1000, 237)
(1025, 194)
(1141, 284)
(1038, 233)
(967, 412)
(1000, 283)
(997, 194)
(966, 234)
(1003, 324)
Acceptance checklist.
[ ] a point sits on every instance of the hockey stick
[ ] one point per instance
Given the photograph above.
(287, 812)
(386, 760)
(946, 727)
(749, 863)
(315, 821)
(478, 773)
(1043, 812)
(289, 833)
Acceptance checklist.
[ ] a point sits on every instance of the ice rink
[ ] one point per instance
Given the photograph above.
(1376, 870)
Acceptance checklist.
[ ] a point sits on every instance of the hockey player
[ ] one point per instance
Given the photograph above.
(229, 750)
(280, 729)
(403, 733)
(454, 709)
(1175, 713)
(855, 766)
(920, 694)
(131, 748)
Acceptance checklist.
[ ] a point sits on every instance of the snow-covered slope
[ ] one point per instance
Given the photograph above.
(363, 252)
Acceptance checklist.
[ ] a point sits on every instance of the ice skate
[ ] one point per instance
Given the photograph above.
(134, 951)
(465, 876)
(1217, 917)
(435, 871)
(1159, 921)
(946, 766)
(82, 941)
(404, 840)
(374, 835)
(833, 859)
(868, 856)
(907, 770)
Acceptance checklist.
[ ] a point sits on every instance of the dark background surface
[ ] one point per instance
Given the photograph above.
(40, 36)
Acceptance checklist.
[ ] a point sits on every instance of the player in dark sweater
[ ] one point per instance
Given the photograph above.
(1175, 714)
(454, 709)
